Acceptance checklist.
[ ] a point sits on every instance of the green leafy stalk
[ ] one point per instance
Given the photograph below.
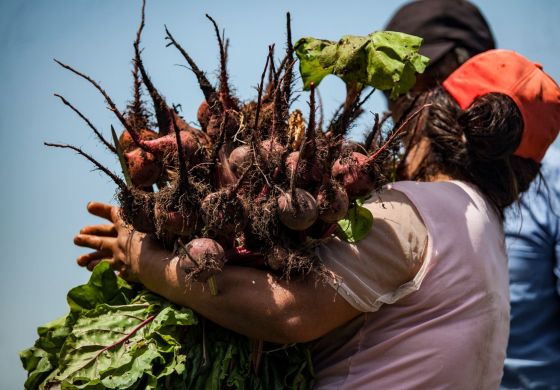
(118, 336)
(385, 60)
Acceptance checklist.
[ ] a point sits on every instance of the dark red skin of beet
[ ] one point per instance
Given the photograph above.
(239, 159)
(332, 204)
(276, 259)
(351, 173)
(175, 222)
(312, 170)
(202, 250)
(127, 143)
(203, 114)
(271, 149)
(230, 210)
(294, 217)
(138, 210)
(225, 176)
(143, 167)
(192, 140)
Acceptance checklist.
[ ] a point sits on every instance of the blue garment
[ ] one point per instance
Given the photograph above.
(533, 244)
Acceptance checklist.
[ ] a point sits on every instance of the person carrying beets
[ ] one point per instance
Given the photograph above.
(422, 301)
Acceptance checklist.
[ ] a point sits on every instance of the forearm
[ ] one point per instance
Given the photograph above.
(251, 302)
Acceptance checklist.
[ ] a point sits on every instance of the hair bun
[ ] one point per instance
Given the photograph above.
(493, 127)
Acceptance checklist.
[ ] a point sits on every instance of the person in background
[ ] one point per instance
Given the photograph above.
(453, 31)
(533, 242)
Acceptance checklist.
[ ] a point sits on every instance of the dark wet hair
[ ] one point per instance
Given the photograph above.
(475, 145)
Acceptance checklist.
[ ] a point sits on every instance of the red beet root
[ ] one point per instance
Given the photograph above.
(298, 212)
(180, 223)
(127, 143)
(309, 171)
(240, 159)
(143, 167)
(203, 114)
(204, 259)
(332, 203)
(351, 172)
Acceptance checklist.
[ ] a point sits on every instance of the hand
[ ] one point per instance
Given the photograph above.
(115, 242)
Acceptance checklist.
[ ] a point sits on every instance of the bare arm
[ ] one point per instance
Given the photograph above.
(251, 301)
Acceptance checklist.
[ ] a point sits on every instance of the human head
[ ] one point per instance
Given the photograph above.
(452, 32)
(484, 111)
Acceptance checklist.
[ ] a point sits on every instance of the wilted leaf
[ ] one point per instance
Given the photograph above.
(385, 60)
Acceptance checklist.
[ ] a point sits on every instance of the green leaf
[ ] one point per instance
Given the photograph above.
(118, 337)
(37, 362)
(95, 345)
(385, 60)
(356, 225)
(102, 287)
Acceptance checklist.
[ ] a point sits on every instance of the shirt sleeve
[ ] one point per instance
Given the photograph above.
(387, 264)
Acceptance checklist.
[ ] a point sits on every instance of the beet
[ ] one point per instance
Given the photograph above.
(193, 143)
(180, 223)
(240, 159)
(350, 172)
(203, 259)
(224, 212)
(332, 203)
(309, 172)
(203, 114)
(127, 143)
(298, 212)
(271, 150)
(144, 169)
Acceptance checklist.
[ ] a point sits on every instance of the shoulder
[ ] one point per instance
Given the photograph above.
(389, 257)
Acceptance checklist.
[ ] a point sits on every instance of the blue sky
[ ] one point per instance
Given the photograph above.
(44, 191)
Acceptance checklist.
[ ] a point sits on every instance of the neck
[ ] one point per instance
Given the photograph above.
(439, 177)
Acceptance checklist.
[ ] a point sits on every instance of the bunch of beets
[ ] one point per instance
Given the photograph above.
(256, 184)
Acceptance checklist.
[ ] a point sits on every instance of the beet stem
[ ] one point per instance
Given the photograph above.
(288, 77)
(240, 181)
(346, 114)
(109, 101)
(321, 111)
(182, 165)
(395, 134)
(224, 87)
(308, 151)
(99, 135)
(161, 108)
(260, 89)
(207, 89)
(212, 285)
(115, 178)
(255, 135)
(375, 132)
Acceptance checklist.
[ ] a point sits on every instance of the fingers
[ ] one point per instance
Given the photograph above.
(99, 209)
(91, 265)
(94, 257)
(100, 230)
(95, 242)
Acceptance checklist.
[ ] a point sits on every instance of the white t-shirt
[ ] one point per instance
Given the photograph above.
(436, 311)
